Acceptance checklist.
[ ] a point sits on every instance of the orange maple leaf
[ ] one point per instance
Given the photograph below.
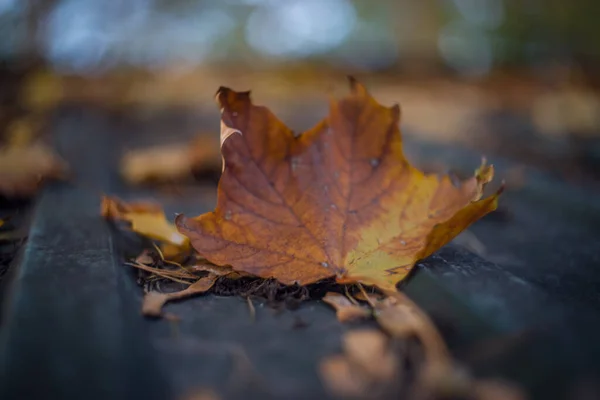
(338, 200)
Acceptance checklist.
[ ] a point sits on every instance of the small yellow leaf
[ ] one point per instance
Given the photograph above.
(146, 219)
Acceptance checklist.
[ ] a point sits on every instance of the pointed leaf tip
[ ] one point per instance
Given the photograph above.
(229, 100)
(352, 81)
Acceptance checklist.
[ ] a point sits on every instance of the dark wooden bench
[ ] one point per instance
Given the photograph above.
(527, 309)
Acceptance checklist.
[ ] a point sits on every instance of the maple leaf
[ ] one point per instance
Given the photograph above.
(338, 200)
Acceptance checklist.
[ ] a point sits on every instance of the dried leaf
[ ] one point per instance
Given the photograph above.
(177, 275)
(367, 362)
(345, 309)
(147, 219)
(340, 379)
(154, 301)
(144, 258)
(23, 169)
(370, 298)
(201, 394)
(445, 380)
(401, 318)
(175, 253)
(496, 390)
(449, 381)
(368, 349)
(21, 132)
(338, 200)
(170, 163)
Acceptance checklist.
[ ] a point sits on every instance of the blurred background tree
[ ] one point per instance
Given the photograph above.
(515, 77)
(472, 37)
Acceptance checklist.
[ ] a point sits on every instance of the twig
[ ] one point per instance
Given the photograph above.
(349, 296)
(364, 292)
(162, 273)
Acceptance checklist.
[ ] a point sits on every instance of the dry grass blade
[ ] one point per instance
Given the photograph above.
(251, 309)
(211, 268)
(174, 275)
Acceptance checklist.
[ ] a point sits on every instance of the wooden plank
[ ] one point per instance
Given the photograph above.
(72, 318)
(69, 330)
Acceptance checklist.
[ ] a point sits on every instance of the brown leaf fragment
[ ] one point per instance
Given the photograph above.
(367, 364)
(146, 219)
(171, 163)
(153, 304)
(368, 349)
(450, 381)
(340, 379)
(339, 200)
(24, 169)
(370, 298)
(113, 208)
(442, 380)
(154, 301)
(201, 394)
(401, 318)
(488, 389)
(345, 309)
(144, 258)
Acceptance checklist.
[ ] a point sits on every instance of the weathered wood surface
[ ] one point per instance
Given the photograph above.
(525, 309)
